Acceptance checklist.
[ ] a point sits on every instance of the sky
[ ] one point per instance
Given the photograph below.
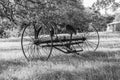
(88, 3)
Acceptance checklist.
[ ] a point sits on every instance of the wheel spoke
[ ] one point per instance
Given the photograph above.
(80, 46)
(93, 43)
(37, 49)
(29, 36)
(90, 45)
(30, 52)
(86, 46)
(92, 39)
(28, 44)
(26, 50)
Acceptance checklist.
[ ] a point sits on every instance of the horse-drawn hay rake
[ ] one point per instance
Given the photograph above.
(40, 42)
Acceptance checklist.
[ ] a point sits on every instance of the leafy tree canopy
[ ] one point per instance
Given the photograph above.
(18, 11)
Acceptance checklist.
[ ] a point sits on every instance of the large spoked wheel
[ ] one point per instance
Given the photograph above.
(33, 43)
(89, 39)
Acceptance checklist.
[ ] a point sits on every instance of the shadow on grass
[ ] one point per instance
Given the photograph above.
(111, 56)
(108, 72)
(5, 64)
(105, 56)
(86, 60)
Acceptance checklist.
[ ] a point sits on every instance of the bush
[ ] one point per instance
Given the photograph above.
(11, 33)
(2, 32)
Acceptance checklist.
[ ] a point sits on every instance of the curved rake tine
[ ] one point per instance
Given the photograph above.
(80, 46)
(38, 51)
(40, 48)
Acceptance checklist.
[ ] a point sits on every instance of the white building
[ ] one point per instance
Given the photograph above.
(114, 26)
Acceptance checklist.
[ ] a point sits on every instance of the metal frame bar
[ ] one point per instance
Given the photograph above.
(62, 40)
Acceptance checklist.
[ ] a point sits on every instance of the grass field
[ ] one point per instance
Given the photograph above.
(104, 64)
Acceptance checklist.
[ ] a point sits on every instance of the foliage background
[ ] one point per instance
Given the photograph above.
(15, 13)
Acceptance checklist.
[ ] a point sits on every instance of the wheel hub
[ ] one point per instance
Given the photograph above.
(84, 38)
(36, 42)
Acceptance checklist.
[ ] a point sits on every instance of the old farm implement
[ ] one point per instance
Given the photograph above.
(42, 41)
